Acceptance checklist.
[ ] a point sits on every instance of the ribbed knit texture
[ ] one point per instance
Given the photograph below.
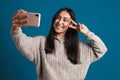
(56, 66)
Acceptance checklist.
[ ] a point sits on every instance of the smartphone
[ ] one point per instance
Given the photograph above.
(33, 19)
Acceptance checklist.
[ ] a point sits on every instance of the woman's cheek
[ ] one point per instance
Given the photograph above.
(67, 25)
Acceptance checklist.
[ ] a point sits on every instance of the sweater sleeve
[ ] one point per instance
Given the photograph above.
(28, 46)
(97, 48)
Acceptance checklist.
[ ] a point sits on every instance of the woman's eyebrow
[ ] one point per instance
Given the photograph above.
(66, 17)
(63, 17)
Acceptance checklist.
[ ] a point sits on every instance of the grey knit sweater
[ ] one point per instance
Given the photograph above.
(56, 66)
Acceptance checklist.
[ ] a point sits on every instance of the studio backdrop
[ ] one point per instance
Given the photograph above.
(100, 16)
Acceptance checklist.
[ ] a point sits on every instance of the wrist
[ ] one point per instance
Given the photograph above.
(15, 29)
(85, 32)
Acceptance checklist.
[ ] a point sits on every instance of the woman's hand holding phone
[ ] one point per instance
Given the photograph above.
(23, 18)
(18, 21)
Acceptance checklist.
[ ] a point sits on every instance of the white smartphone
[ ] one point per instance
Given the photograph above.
(33, 19)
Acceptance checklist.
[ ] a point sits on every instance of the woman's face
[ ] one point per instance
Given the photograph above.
(62, 22)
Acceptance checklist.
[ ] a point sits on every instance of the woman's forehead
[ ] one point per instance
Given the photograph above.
(64, 14)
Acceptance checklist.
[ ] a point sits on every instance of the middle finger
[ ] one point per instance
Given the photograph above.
(73, 22)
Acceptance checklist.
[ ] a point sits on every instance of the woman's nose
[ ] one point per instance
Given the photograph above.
(60, 21)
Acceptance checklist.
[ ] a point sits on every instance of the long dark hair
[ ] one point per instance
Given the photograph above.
(71, 42)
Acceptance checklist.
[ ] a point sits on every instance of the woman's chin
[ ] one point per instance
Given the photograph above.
(58, 31)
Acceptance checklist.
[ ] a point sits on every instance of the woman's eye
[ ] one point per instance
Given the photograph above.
(57, 17)
(66, 20)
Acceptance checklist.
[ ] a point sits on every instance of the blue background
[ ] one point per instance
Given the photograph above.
(101, 17)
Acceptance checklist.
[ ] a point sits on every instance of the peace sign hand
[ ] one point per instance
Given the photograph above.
(80, 27)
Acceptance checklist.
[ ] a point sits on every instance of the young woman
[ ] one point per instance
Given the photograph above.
(60, 55)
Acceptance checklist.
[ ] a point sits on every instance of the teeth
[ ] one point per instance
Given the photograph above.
(60, 26)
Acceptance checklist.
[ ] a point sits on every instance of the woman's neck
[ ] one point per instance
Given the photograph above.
(60, 36)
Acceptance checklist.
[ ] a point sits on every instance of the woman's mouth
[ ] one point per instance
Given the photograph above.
(59, 26)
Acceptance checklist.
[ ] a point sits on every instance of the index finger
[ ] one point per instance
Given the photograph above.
(17, 13)
(73, 22)
(21, 11)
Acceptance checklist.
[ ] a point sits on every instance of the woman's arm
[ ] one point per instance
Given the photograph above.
(28, 46)
(96, 47)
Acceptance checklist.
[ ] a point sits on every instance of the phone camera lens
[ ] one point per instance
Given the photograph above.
(36, 15)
